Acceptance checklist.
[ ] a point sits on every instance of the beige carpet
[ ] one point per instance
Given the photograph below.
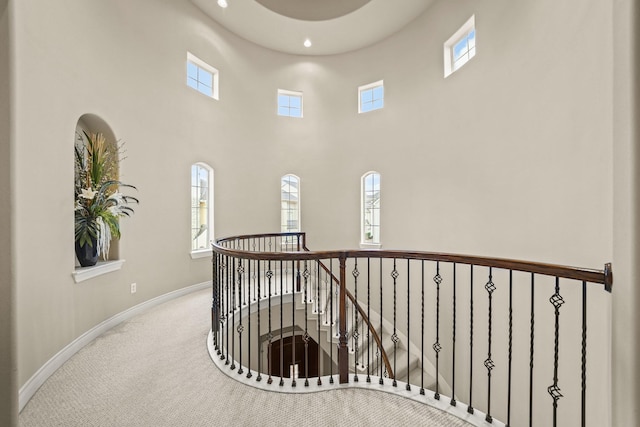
(154, 370)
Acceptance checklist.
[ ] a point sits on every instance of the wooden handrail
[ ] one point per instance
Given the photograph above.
(604, 277)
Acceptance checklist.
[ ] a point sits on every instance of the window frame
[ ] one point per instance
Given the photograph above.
(215, 75)
(290, 94)
(463, 33)
(288, 210)
(370, 87)
(202, 252)
(364, 241)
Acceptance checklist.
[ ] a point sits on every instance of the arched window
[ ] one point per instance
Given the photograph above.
(370, 204)
(201, 209)
(289, 203)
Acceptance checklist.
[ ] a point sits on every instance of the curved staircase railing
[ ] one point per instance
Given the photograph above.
(271, 292)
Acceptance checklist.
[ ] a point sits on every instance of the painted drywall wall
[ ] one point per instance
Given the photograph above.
(8, 374)
(510, 156)
(8, 389)
(626, 256)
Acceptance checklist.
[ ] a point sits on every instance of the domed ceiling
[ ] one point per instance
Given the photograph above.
(331, 26)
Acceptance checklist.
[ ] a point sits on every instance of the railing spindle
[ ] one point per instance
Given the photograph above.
(510, 347)
(556, 300)
(394, 337)
(422, 333)
(436, 346)
(453, 343)
(355, 334)
(259, 283)
(470, 406)
(408, 386)
(281, 325)
(488, 363)
(240, 304)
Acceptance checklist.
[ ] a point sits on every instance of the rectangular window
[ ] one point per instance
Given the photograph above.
(289, 103)
(460, 47)
(201, 207)
(202, 76)
(370, 209)
(371, 97)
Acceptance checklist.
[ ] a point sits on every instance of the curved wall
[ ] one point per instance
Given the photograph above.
(511, 156)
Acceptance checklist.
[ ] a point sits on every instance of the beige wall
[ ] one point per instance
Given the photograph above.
(511, 156)
(626, 260)
(8, 388)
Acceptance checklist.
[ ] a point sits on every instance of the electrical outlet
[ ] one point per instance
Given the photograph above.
(134, 287)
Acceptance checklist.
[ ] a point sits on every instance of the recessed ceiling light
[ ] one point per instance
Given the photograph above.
(222, 3)
(307, 43)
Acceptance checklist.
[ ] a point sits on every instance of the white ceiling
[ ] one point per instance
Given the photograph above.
(333, 26)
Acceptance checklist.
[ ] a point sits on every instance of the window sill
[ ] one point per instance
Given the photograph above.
(367, 245)
(203, 253)
(85, 273)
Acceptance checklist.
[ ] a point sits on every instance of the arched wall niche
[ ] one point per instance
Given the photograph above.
(92, 123)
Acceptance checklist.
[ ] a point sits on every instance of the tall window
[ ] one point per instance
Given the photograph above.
(201, 207)
(289, 103)
(371, 208)
(371, 97)
(460, 47)
(290, 203)
(202, 76)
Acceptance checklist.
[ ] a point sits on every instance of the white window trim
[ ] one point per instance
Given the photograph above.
(367, 87)
(466, 28)
(364, 244)
(290, 93)
(299, 201)
(203, 253)
(214, 72)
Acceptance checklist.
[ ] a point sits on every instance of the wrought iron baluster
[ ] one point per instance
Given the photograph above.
(584, 354)
(422, 333)
(233, 313)
(394, 337)
(305, 337)
(556, 300)
(249, 374)
(295, 279)
(259, 277)
(368, 317)
(531, 348)
(270, 335)
(470, 406)
(408, 386)
(355, 334)
(319, 320)
(240, 304)
(510, 347)
(229, 308)
(281, 326)
(331, 317)
(453, 343)
(488, 363)
(378, 351)
(436, 346)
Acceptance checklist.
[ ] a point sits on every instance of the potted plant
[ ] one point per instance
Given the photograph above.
(98, 201)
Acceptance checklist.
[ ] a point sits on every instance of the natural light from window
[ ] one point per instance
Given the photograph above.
(371, 97)
(289, 103)
(202, 76)
(201, 210)
(460, 47)
(370, 209)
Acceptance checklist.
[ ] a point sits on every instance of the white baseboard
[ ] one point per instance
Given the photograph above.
(35, 382)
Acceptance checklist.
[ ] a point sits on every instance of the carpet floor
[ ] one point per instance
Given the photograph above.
(154, 370)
